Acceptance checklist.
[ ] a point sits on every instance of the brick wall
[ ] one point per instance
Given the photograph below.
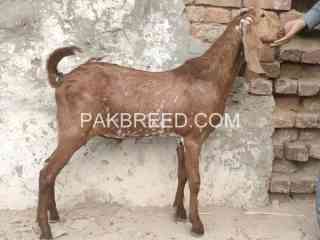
(293, 78)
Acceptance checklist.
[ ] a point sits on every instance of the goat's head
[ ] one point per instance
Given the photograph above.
(258, 27)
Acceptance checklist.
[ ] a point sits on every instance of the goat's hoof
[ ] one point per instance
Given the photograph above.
(197, 229)
(46, 235)
(45, 232)
(181, 214)
(54, 217)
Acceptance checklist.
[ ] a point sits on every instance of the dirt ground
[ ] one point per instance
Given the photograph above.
(284, 219)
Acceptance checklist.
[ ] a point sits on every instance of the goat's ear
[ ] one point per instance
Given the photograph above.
(252, 47)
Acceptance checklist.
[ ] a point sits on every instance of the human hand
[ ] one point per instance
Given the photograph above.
(291, 28)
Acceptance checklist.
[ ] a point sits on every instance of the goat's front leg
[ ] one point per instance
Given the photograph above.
(192, 154)
(182, 179)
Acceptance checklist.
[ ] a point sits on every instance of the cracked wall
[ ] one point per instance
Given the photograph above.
(146, 34)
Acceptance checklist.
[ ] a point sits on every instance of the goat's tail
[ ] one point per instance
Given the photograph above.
(53, 61)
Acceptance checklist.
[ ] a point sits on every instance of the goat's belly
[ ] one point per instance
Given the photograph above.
(123, 125)
(138, 133)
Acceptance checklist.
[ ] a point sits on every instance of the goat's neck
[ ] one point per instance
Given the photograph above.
(225, 58)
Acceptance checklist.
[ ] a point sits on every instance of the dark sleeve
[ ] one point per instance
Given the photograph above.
(312, 17)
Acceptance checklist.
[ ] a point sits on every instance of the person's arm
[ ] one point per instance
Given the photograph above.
(312, 18)
(291, 28)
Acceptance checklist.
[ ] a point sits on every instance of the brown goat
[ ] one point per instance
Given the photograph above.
(200, 85)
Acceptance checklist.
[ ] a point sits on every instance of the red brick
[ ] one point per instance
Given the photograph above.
(285, 135)
(310, 72)
(307, 120)
(208, 14)
(279, 138)
(286, 86)
(292, 70)
(296, 151)
(278, 147)
(307, 50)
(288, 103)
(272, 69)
(278, 151)
(285, 112)
(260, 86)
(312, 104)
(269, 4)
(291, 55)
(309, 87)
(267, 54)
(312, 57)
(218, 15)
(280, 183)
(303, 184)
(207, 32)
(220, 3)
(314, 148)
(309, 135)
(284, 167)
(284, 119)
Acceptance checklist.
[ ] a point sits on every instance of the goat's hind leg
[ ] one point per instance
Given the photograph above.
(182, 179)
(54, 214)
(53, 211)
(47, 178)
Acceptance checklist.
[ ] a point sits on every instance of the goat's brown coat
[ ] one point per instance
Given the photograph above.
(199, 85)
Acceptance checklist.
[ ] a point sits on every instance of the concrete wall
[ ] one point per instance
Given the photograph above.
(146, 34)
